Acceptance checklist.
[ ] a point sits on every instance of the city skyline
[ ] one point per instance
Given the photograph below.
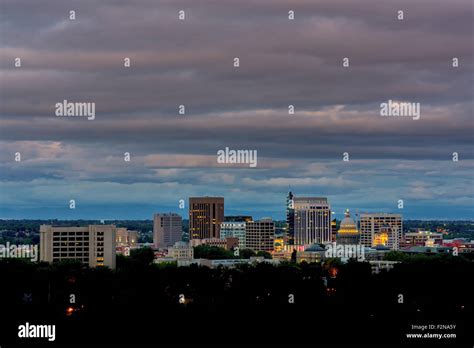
(267, 164)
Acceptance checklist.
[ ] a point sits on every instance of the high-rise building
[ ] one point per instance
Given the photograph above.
(167, 229)
(260, 235)
(312, 220)
(93, 245)
(205, 217)
(290, 219)
(381, 229)
(348, 233)
(234, 229)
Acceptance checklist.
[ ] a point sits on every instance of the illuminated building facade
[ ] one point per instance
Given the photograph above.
(381, 238)
(279, 243)
(381, 229)
(347, 233)
(126, 238)
(205, 217)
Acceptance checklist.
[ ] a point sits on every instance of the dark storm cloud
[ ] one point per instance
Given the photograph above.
(282, 62)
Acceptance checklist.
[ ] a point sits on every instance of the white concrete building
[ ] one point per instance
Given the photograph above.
(93, 245)
(312, 220)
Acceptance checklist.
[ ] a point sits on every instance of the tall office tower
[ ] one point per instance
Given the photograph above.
(312, 220)
(93, 245)
(167, 229)
(234, 229)
(290, 219)
(381, 229)
(348, 233)
(205, 217)
(260, 235)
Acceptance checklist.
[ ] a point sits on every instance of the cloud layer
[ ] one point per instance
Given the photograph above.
(190, 63)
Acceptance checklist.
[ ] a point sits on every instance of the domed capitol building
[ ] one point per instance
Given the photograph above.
(348, 232)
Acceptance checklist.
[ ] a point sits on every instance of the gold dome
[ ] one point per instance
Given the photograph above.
(348, 225)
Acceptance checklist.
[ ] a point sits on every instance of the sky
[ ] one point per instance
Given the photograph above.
(190, 62)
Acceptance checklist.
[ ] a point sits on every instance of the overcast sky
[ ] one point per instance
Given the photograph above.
(190, 62)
